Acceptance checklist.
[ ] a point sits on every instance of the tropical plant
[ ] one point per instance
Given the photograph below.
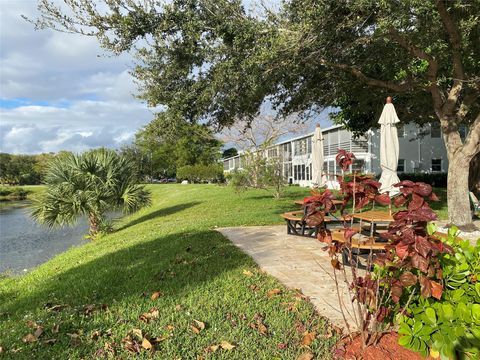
(216, 61)
(89, 184)
(449, 327)
(410, 268)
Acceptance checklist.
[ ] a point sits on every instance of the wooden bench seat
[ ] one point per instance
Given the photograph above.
(296, 225)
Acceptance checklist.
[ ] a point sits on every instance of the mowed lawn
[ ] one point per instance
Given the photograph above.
(96, 300)
(89, 301)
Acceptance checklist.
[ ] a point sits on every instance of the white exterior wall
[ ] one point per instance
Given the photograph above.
(417, 151)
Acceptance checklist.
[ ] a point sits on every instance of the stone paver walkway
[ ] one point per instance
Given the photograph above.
(298, 262)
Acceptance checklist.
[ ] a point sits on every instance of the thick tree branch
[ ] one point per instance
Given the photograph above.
(471, 146)
(390, 85)
(456, 43)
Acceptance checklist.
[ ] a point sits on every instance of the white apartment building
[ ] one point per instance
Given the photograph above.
(421, 150)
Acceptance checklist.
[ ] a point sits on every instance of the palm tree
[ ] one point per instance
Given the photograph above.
(89, 184)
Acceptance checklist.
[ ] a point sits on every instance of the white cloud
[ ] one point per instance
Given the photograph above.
(85, 95)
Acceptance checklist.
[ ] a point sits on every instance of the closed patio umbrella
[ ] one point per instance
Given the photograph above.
(389, 148)
(317, 157)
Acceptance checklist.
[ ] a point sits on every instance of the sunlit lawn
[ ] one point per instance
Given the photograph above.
(91, 298)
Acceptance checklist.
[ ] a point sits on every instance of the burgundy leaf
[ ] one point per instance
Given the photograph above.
(401, 250)
(416, 202)
(408, 279)
(349, 232)
(420, 262)
(437, 289)
(383, 199)
(422, 189)
(423, 246)
(399, 200)
(325, 235)
(425, 287)
(315, 219)
(433, 197)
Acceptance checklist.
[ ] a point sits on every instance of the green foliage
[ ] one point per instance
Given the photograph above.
(450, 326)
(201, 173)
(15, 193)
(89, 184)
(169, 142)
(169, 247)
(23, 169)
(230, 152)
(259, 172)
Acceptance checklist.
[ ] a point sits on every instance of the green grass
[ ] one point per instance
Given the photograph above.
(170, 247)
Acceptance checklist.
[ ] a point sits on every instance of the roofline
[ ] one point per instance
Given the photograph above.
(289, 140)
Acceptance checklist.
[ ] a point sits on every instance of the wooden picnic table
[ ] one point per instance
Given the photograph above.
(335, 202)
(374, 218)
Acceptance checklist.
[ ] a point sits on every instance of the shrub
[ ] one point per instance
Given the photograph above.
(201, 173)
(15, 193)
(434, 179)
(449, 327)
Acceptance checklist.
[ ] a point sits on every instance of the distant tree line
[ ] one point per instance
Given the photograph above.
(23, 169)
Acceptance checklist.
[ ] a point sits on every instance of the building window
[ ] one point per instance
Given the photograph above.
(401, 130)
(307, 173)
(301, 147)
(272, 152)
(435, 131)
(436, 164)
(401, 165)
(295, 172)
(309, 145)
(303, 172)
(287, 151)
(311, 175)
(358, 165)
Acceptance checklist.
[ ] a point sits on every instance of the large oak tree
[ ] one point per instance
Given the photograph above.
(211, 60)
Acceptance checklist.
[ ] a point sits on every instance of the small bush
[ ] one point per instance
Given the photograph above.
(201, 173)
(15, 193)
(449, 327)
(434, 179)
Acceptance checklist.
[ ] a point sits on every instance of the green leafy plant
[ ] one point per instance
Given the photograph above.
(89, 184)
(450, 326)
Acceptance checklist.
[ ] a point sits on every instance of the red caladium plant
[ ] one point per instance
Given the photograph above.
(344, 159)
(408, 267)
(413, 252)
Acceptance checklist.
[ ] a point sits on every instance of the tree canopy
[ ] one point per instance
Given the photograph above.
(213, 61)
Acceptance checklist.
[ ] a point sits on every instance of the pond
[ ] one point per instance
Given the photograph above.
(24, 244)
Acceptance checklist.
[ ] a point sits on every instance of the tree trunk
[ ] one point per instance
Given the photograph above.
(474, 177)
(94, 222)
(458, 202)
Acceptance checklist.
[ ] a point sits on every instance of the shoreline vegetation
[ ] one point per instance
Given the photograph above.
(9, 193)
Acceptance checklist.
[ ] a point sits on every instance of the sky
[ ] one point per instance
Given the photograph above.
(62, 91)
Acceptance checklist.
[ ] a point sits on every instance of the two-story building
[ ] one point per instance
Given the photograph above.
(421, 150)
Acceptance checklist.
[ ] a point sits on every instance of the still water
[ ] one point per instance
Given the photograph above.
(25, 244)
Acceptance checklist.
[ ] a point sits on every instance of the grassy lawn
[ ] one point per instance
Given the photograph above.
(89, 301)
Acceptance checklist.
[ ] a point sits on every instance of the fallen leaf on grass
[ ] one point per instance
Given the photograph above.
(152, 314)
(306, 356)
(146, 344)
(95, 335)
(213, 348)
(282, 346)
(254, 287)
(178, 307)
(137, 333)
(155, 295)
(274, 292)
(199, 326)
(74, 339)
(31, 324)
(88, 309)
(247, 273)
(131, 345)
(226, 345)
(56, 307)
(50, 341)
(38, 332)
(308, 338)
(55, 328)
(29, 338)
(170, 327)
